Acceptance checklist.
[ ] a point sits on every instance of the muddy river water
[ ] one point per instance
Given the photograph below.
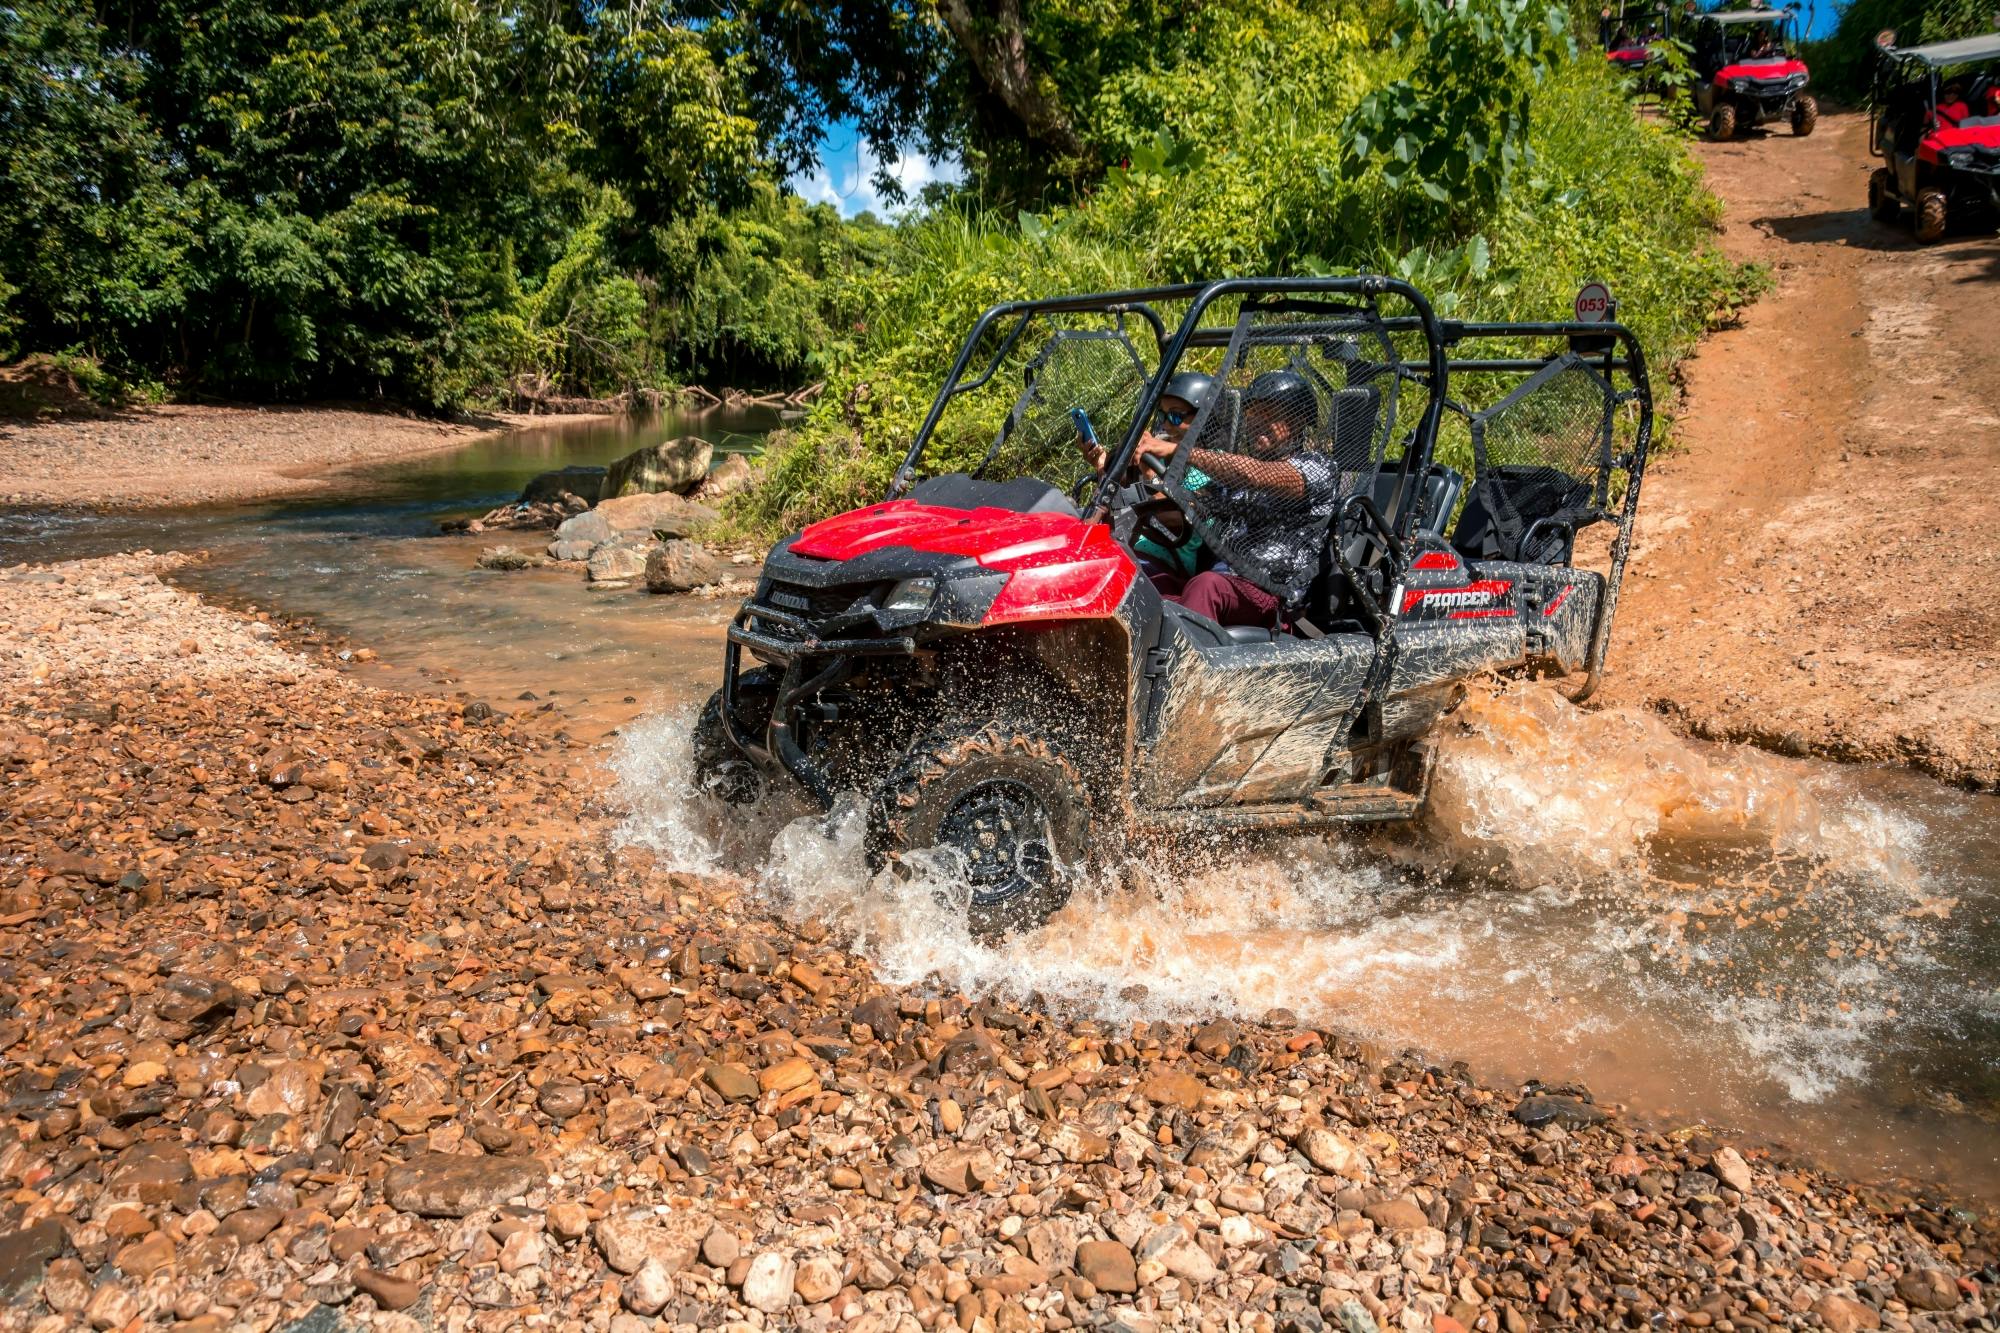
(1802, 952)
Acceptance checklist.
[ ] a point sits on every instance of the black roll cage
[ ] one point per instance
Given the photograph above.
(1889, 68)
(1610, 347)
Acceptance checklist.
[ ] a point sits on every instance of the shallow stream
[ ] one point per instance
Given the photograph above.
(1803, 952)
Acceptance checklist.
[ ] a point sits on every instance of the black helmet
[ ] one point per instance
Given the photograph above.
(1285, 395)
(1191, 387)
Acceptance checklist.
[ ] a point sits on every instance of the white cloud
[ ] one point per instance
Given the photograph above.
(845, 178)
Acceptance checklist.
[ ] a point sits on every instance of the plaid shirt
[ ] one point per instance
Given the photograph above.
(1279, 535)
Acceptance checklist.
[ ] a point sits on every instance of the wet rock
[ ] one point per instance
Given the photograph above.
(578, 479)
(507, 558)
(1729, 1167)
(113, 1305)
(1569, 1112)
(1333, 1153)
(1175, 1087)
(731, 475)
(730, 1083)
(615, 561)
(1108, 1266)
(445, 1185)
(675, 466)
(1928, 1289)
(22, 1254)
(390, 1292)
(680, 566)
(1841, 1314)
(561, 1098)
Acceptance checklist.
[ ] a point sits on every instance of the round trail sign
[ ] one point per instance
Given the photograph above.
(1593, 303)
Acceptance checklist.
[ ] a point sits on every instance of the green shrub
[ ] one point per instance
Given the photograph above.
(1311, 150)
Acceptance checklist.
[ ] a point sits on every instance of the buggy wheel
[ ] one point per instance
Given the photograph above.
(720, 769)
(1930, 215)
(1805, 115)
(1722, 123)
(1883, 205)
(1005, 801)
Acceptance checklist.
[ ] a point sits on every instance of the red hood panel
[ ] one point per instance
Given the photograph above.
(1957, 136)
(1777, 69)
(990, 536)
(1063, 567)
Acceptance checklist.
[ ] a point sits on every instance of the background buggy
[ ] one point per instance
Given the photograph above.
(1936, 127)
(1738, 85)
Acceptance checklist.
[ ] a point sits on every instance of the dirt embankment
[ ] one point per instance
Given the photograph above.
(311, 1004)
(202, 454)
(1817, 568)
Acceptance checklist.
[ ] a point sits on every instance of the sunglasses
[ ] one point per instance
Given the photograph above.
(1173, 418)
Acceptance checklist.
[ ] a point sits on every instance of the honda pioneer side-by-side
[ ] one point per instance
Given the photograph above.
(1192, 559)
(1635, 38)
(1936, 127)
(1746, 73)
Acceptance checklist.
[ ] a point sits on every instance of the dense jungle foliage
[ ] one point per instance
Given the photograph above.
(428, 200)
(1843, 65)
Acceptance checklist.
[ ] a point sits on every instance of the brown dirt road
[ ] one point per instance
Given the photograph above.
(1816, 568)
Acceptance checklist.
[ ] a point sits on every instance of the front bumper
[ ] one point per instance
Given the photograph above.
(808, 665)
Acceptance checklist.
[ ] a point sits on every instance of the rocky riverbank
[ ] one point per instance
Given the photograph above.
(185, 454)
(317, 996)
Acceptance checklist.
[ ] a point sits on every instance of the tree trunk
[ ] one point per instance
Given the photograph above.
(996, 43)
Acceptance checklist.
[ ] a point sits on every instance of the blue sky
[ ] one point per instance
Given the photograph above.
(845, 176)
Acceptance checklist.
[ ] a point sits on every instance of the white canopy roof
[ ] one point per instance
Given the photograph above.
(1962, 51)
(1748, 15)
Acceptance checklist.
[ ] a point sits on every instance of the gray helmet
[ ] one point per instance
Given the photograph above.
(1285, 395)
(1191, 387)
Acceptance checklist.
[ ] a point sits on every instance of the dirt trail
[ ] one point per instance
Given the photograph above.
(1816, 568)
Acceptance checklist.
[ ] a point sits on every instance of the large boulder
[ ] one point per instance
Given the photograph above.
(727, 478)
(680, 566)
(586, 483)
(621, 558)
(675, 466)
(667, 515)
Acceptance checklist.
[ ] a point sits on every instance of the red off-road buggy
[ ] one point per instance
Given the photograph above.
(1745, 74)
(1936, 126)
(983, 658)
(1635, 39)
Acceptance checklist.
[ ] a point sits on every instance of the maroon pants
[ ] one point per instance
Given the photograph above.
(1227, 599)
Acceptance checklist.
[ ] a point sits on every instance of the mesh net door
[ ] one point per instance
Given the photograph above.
(1543, 462)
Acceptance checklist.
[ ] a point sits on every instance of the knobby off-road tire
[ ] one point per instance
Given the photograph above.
(1722, 123)
(720, 769)
(1003, 797)
(1805, 115)
(1883, 205)
(1930, 215)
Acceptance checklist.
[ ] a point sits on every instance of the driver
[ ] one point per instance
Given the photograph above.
(1761, 44)
(1263, 502)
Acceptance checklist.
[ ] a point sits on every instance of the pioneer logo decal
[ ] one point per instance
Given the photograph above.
(1487, 597)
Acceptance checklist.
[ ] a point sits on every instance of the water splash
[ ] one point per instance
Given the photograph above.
(1696, 930)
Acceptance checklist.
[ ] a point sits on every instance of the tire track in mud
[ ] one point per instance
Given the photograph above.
(1815, 570)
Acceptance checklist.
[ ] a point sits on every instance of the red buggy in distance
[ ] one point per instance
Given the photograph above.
(1936, 127)
(1745, 74)
(1634, 38)
(993, 659)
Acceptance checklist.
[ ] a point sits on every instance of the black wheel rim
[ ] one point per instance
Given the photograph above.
(1000, 829)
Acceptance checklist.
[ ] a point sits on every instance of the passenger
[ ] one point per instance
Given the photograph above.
(1266, 502)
